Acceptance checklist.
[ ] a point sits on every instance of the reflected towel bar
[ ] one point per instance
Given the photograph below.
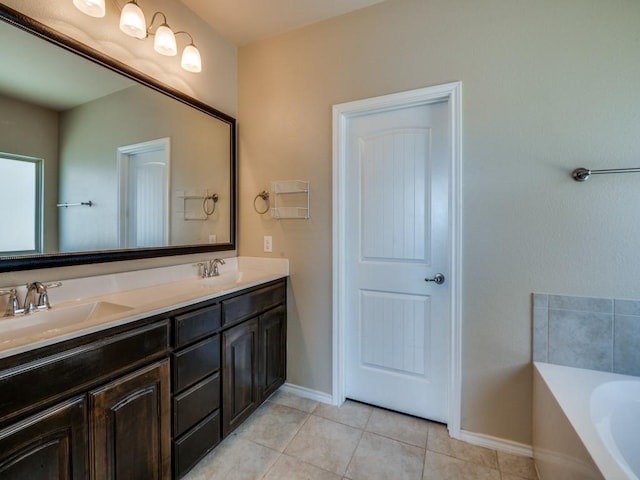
(81, 204)
(582, 174)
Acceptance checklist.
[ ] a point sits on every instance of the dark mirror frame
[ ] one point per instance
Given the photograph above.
(9, 264)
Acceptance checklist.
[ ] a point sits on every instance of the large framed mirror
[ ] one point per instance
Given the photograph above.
(99, 162)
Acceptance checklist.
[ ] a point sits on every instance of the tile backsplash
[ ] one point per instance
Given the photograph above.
(585, 332)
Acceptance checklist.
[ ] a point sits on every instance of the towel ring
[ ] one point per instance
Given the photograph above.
(264, 195)
(214, 200)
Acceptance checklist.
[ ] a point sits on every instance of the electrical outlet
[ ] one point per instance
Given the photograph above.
(213, 238)
(268, 243)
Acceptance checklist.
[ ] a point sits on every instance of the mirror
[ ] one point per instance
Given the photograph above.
(99, 162)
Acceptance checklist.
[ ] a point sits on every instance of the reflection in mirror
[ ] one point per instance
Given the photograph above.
(94, 161)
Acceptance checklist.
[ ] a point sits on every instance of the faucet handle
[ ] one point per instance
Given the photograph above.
(203, 268)
(13, 305)
(29, 304)
(214, 266)
(43, 298)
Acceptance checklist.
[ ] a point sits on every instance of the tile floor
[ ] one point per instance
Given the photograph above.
(293, 438)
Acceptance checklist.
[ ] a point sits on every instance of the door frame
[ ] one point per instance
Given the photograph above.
(452, 94)
(124, 152)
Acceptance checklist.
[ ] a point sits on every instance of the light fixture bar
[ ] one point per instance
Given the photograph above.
(133, 23)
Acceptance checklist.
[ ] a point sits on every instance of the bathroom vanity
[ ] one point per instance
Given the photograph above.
(132, 375)
(148, 397)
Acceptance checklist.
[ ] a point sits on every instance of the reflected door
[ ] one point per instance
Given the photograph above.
(144, 209)
(397, 235)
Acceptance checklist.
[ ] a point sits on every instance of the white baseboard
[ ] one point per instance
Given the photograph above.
(305, 392)
(495, 443)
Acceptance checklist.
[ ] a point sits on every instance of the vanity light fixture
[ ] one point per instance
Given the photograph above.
(165, 41)
(133, 23)
(191, 60)
(93, 8)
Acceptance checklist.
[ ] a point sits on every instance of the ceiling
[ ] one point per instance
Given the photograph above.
(246, 21)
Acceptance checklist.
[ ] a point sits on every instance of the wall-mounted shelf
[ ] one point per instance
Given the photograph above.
(296, 204)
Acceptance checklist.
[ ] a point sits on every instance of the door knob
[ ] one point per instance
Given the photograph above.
(438, 279)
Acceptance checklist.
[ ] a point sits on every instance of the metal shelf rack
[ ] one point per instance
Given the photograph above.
(297, 205)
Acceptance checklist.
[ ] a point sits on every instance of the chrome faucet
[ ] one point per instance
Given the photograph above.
(213, 266)
(36, 299)
(13, 305)
(209, 268)
(31, 304)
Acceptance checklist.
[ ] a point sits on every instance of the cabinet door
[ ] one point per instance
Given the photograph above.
(130, 427)
(239, 374)
(49, 445)
(273, 350)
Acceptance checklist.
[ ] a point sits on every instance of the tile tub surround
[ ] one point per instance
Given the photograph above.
(291, 438)
(586, 332)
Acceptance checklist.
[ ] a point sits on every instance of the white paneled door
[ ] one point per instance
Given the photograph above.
(144, 194)
(397, 235)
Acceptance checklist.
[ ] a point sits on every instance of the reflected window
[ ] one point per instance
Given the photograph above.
(21, 195)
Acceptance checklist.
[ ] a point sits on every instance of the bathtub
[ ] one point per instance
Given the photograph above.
(586, 424)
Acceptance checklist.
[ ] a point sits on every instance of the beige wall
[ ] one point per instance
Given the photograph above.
(547, 86)
(216, 85)
(30, 130)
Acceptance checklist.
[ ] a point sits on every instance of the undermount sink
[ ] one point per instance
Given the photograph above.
(227, 280)
(58, 318)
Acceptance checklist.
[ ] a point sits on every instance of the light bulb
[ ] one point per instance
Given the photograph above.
(93, 8)
(165, 42)
(191, 60)
(132, 21)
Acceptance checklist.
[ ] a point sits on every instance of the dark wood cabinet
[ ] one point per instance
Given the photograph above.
(145, 400)
(89, 407)
(273, 350)
(254, 351)
(240, 374)
(49, 445)
(195, 370)
(229, 355)
(130, 426)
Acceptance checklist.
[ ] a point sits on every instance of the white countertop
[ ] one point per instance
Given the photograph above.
(88, 305)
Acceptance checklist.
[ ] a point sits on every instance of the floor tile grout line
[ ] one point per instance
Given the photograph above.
(353, 453)
(397, 440)
(297, 431)
(266, 472)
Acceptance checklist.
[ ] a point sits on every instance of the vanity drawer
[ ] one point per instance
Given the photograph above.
(251, 304)
(192, 326)
(192, 446)
(38, 383)
(194, 404)
(195, 362)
